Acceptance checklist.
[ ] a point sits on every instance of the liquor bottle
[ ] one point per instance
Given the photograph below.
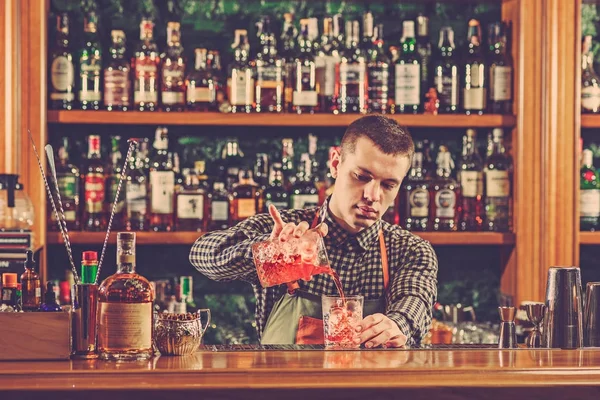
(62, 71)
(201, 85)
(69, 180)
(125, 318)
(275, 193)
(351, 94)
(219, 207)
(497, 185)
(444, 193)
(304, 97)
(145, 155)
(136, 192)
(10, 297)
(368, 34)
(90, 66)
(113, 176)
(31, 287)
(117, 84)
(326, 60)
(414, 198)
(145, 66)
(191, 205)
(232, 161)
(261, 170)
(287, 40)
(50, 304)
(89, 267)
(246, 198)
(501, 70)
(378, 67)
(590, 83)
(287, 162)
(474, 73)
(304, 193)
(445, 72)
(213, 64)
(94, 218)
(470, 179)
(589, 194)
(424, 52)
(172, 92)
(179, 175)
(162, 185)
(269, 73)
(407, 93)
(240, 82)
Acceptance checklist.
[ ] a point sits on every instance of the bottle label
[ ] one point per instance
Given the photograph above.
(162, 187)
(589, 203)
(302, 201)
(125, 326)
(38, 292)
(70, 216)
(173, 97)
(408, 84)
(241, 87)
(471, 183)
(146, 82)
(94, 192)
(328, 84)
(219, 210)
(190, 206)
(62, 75)
(90, 80)
(67, 184)
(352, 73)
(135, 196)
(116, 87)
(419, 203)
(90, 95)
(474, 98)
(246, 208)
(447, 87)
(501, 83)
(378, 86)
(114, 185)
(280, 205)
(445, 202)
(269, 77)
(145, 97)
(590, 98)
(497, 183)
(305, 98)
(200, 95)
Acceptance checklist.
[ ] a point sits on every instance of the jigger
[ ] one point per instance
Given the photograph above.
(508, 331)
(535, 313)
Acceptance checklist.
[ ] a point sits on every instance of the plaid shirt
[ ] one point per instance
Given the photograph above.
(227, 255)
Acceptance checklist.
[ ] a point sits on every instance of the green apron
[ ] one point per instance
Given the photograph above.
(284, 320)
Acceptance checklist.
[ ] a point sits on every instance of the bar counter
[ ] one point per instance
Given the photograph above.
(439, 374)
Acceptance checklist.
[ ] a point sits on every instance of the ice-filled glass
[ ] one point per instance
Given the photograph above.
(341, 316)
(296, 259)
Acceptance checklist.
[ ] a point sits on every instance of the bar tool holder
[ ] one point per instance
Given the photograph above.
(591, 330)
(535, 314)
(508, 331)
(83, 324)
(563, 317)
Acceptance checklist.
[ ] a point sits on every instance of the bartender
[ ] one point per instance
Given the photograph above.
(394, 270)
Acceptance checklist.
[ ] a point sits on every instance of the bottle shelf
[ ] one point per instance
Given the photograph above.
(589, 238)
(188, 238)
(308, 120)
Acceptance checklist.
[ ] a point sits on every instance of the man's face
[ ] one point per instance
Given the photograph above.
(366, 184)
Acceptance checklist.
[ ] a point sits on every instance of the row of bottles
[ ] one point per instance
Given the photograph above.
(339, 71)
(589, 192)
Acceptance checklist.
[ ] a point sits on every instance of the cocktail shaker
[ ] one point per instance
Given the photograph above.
(591, 330)
(83, 321)
(563, 321)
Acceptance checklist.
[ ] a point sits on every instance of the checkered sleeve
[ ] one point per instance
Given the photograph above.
(413, 287)
(227, 255)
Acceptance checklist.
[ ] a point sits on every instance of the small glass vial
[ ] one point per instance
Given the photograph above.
(30, 281)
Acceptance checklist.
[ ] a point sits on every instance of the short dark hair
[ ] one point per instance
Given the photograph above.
(387, 134)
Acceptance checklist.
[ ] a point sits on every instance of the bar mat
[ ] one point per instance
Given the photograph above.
(220, 348)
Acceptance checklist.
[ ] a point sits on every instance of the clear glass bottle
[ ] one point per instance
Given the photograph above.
(162, 184)
(69, 181)
(240, 82)
(62, 71)
(590, 83)
(445, 72)
(414, 198)
(497, 170)
(407, 76)
(117, 82)
(219, 207)
(589, 193)
(94, 184)
(191, 204)
(90, 65)
(172, 93)
(125, 317)
(136, 193)
(304, 97)
(470, 179)
(444, 194)
(378, 67)
(113, 176)
(246, 198)
(304, 192)
(351, 86)
(474, 73)
(145, 66)
(501, 70)
(269, 85)
(201, 85)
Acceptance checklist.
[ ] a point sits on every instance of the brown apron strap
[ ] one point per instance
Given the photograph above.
(292, 286)
(384, 262)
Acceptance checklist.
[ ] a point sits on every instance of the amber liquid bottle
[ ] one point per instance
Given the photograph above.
(240, 82)
(470, 178)
(378, 67)
(125, 318)
(304, 96)
(172, 91)
(501, 70)
(246, 198)
(117, 81)
(201, 85)
(94, 188)
(444, 194)
(351, 94)
(145, 66)
(269, 73)
(30, 283)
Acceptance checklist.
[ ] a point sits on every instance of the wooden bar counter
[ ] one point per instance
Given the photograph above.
(412, 374)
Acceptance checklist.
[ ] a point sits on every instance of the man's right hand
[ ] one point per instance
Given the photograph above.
(285, 231)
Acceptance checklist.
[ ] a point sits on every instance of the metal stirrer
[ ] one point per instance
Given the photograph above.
(132, 143)
(60, 225)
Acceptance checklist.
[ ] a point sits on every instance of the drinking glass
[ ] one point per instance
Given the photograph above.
(341, 316)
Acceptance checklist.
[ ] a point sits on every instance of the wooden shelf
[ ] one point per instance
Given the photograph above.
(589, 237)
(315, 120)
(188, 238)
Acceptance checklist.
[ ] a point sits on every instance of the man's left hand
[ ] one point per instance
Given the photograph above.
(378, 330)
